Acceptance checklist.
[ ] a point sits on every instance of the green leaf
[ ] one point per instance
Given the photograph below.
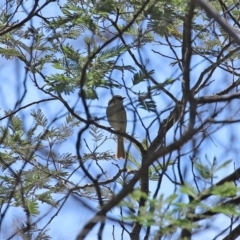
(141, 76)
(227, 209)
(10, 52)
(137, 194)
(159, 86)
(106, 6)
(203, 170)
(33, 207)
(39, 117)
(189, 190)
(148, 105)
(61, 83)
(227, 189)
(89, 93)
(111, 52)
(224, 165)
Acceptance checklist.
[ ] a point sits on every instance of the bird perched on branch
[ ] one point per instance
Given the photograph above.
(117, 119)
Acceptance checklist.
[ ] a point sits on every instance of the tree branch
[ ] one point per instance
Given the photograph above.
(214, 14)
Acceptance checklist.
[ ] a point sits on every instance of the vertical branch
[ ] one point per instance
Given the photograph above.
(144, 189)
(186, 58)
(187, 93)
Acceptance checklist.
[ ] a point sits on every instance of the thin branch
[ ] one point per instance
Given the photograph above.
(26, 106)
(128, 188)
(233, 234)
(216, 98)
(30, 15)
(222, 22)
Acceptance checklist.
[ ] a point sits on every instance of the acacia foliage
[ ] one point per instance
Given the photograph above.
(178, 67)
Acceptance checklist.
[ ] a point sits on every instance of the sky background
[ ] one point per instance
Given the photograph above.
(74, 215)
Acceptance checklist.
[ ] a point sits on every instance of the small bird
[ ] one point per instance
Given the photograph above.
(117, 119)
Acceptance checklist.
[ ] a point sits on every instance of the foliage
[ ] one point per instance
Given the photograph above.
(178, 68)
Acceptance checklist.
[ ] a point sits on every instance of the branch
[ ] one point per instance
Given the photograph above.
(233, 234)
(216, 98)
(232, 177)
(30, 15)
(225, 121)
(188, 94)
(26, 106)
(214, 14)
(95, 123)
(85, 66)
(113, 179)
(166, 124)
(128, 188)
(213, 66)
(209, 213)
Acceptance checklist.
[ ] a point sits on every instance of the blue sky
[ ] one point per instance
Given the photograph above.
(73, 215)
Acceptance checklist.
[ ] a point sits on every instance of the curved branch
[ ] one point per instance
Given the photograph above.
(26, 106)
(30, 15)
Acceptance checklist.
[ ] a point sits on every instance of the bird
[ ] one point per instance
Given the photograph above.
(117, 119)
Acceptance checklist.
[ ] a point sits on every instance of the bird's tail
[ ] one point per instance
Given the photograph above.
(120, 153)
